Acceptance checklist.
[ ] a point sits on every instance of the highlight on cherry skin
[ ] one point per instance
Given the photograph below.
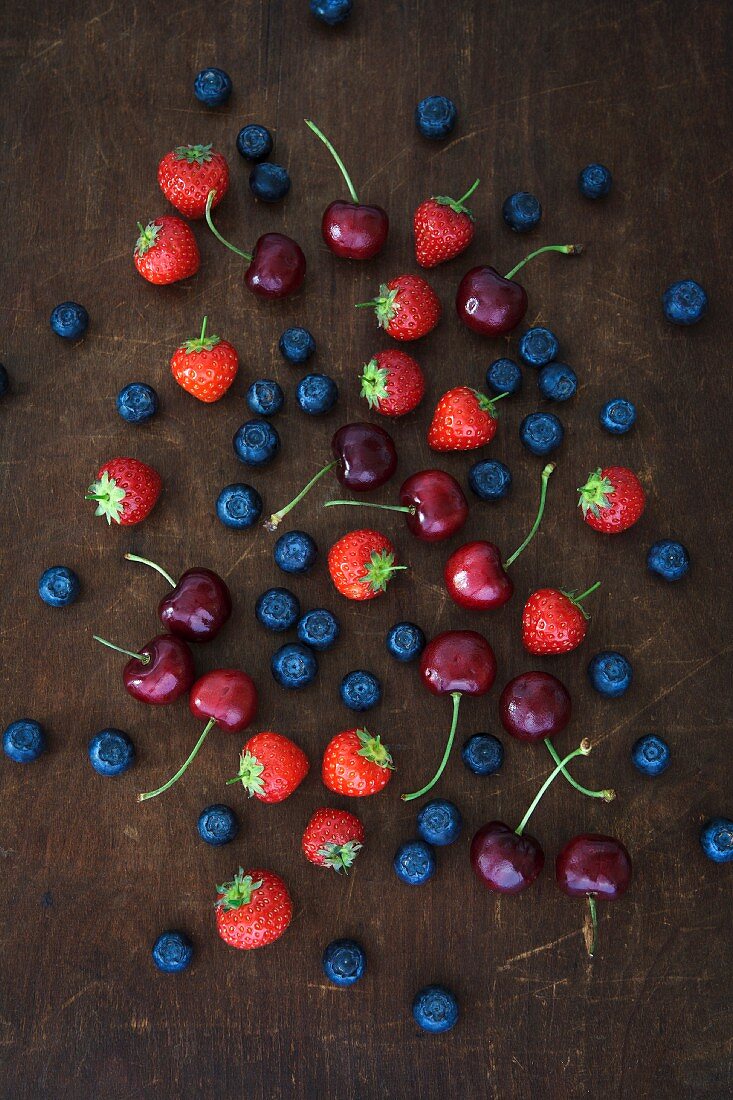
(595, 867)
(198, 606)
(432, 501)
(158, 673)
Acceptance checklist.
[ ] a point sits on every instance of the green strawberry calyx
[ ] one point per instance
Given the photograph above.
(201, 342)
(385, 305)
(109, 497)
(379, 570)
(147, 238)
(577, 599)
(340, 856)
(595, 493)
(457, 204)
(488, 404)
(250, 772)
(374, 383)
(194, 154)
(237, 893)
(373, 750)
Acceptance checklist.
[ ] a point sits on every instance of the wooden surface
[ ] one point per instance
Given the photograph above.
(95, 91)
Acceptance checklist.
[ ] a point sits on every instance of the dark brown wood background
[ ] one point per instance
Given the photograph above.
(94, 92)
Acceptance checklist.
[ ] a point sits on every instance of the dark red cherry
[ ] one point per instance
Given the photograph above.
(458, 661)
(475, 577)
(503, 861)
(277, 268)
(161, 672)
(437, 503)
(534, 705)
(354, 231)
(198, 606)
(365, 455)
(593, 864)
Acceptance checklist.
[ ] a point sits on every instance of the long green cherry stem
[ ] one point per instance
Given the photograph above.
(192, 756)
(456, 697)
(273, 522)
(143, 658)
(582, 750)
(607, 795)
(594, 925)
(540, 512)
(410, 509)
(319, 134)
(233, 248)
(566, 249)
(153, 565)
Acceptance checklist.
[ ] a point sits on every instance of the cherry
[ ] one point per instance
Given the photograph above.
(160, 673)
(492, 304)
(228, 699)
(198, 606)
(593, 866)
(433, 502)
(351, 230)
(276, 264)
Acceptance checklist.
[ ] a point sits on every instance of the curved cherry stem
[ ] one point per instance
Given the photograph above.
(540, 511)
(192, 756)
(319, 134)
(566, 249)
(410, 510)
(152, 564)
(594, 925)
(143, 658)
(607, 795)
(275, 519)
(582, 750)
(233, 248)
(456, 697)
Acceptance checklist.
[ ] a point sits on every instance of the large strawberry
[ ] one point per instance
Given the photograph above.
(125, 490)
(356, 764)
(464, 419)
(252, 910)
(406, 308)
(612, 500)
(361, 564)
(188, 173)
(392, 383)
(443, 228)
(554, 621)
(206, 366)
(166, 251)
(333, 838)
(271, 767)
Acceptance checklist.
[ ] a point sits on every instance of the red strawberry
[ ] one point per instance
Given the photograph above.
(554, 621)
(464, 419)
(166, 251)
(271, 767)
(361, 564)
(253, 910)
(125, 490)
(407, 308)
(188, 173)
(443, 228)
(356, 764)
(392, 383)
(205, 367)
(612, 500)
(333, 838)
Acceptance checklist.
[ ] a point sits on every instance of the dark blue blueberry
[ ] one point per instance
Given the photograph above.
(650, 755)
(668, 559)
(522, 211)
(294, 666)
(212, 87)
(58, 586)
(238, 506)
(414, 862)
(483, 754)
(538, 346)
(317, 394)
(318, 628)
(217, 825)
(24, 741)
(137, 403)
(557, 382)
(716, 839)
(435, 1009)
(610, 674)
(111, 752)
(594, 182)
(490, 479)
(269, 182)
(360, 690)
(256, 443)
(685, 303)
(405, 641)
(69, 320)
(331, 12)
(344, 962)
(439, 822)
(295, 552)
(254, 142)
(172, 952)
(435, 117)
(541, 433)
(277, 609)
(617, 416)
(504, 376)
(264, 397)
(296, 345)
(4, 381)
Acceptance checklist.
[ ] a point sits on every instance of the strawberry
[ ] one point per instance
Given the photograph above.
(443, 228)
(554, 621)
(464, 419)
(361, 564)
(253, 910)
(356, 764)
(392, 383)
(612, 500)
(205, 367)
(188, 173)
(166, 251)
(271, 767)
(125, 490)
(407, 308)
(333, 838)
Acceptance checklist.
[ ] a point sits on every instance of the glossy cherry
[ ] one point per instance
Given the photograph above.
(276, 264)
(161, 672)
(198, 606)
(351, 230)
(433, 502)
(593, 866)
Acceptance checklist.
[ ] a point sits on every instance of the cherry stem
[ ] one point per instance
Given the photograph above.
(152, 564)
(319, 134)
(174, 779)
(456, 697)
(594, 925)
(566, 249)
(233, 248)
(472, 188)
(370, 504)
(540, 511)
(606, 795)
(582, 750)
(273, 522)
(143, 658)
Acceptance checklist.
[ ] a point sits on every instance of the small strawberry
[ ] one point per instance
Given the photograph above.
(612, 500)
(271, 767)
(356, 764)
(188, 173)
(361, 564)
(554, 621)
(333, 838)
(464, 419)
(392, 383)
(166, 251)
(443, 228)
(206, 366)
(407, 308)
(253, 910)
(125, 490)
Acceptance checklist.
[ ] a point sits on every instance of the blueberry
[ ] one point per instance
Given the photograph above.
(483, 754)
(69, 320)
(217, 825)
(668, 559)
(277, 609)
(594, 182)
(24, 741)
(256, 443)
(58, 586)
(610, 674)
(435, 1009)
(618, 416)
(414, 862)
(269, 182)
(296, 345)
(172, 952)
(685, 303)
(538, 347)
(4, 381)
(716, 839)
(557, 382)
(490, 479)
(331, 12)
(137, 403)
(238, 506)
(264, 397)
(344, 962)
(405, 641)
(319, 629)
(212, 87)
(439, 822)
(521, 211)
(541, 433)
(317, 394)
(504, 376)
(295, 552)
(254, 142)
(111, 752)
(360, 690)
(650, 755)
(435, 117)
(294, 666)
